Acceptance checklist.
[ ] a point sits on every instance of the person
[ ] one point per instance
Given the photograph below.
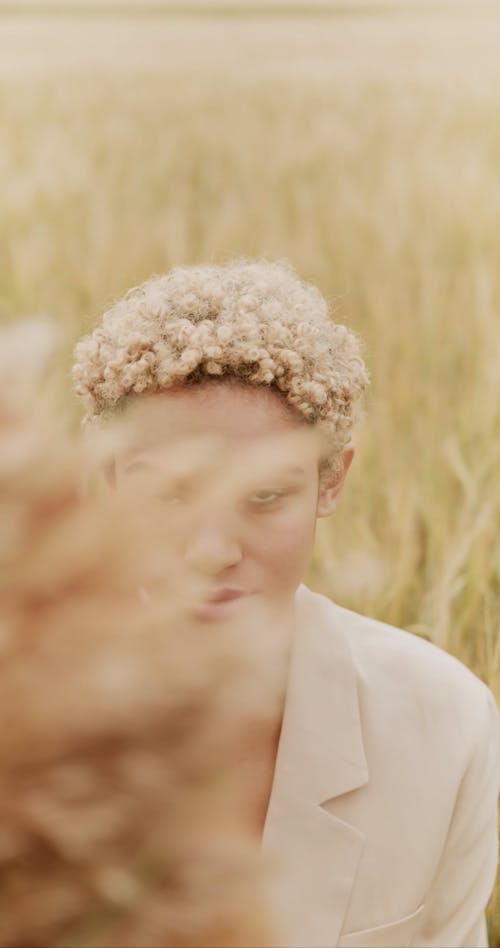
(383, 788)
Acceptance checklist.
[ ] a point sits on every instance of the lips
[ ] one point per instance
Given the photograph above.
(223, 603)
(226, 595)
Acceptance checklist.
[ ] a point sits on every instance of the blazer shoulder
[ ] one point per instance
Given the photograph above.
(393, 662)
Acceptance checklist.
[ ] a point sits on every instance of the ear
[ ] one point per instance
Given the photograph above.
(331, 489)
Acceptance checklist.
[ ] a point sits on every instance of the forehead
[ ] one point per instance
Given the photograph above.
(228, 422)
(236, 412)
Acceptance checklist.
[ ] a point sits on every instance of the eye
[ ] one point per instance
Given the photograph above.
(264, 498)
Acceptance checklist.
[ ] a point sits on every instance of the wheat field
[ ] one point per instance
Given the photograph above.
(360, 141)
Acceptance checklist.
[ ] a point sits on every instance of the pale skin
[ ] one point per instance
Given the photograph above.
(261, 543)
(258, 542)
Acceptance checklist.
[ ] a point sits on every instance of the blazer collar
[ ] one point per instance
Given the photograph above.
(320, 756)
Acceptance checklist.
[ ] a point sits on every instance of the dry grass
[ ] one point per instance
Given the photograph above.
(363, 148)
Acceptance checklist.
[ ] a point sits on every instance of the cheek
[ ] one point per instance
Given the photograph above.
(283, 541)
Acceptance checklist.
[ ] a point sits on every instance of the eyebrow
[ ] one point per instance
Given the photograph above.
(144, 464)
(137, 465)
(294, 470)
(292, 473)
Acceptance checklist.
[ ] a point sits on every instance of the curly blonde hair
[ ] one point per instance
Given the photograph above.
(253, 321)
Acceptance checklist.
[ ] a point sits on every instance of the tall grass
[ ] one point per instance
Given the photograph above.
(364, 149)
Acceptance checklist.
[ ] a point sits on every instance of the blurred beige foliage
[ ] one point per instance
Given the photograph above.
(133, 740)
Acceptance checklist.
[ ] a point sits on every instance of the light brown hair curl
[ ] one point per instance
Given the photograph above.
(254, 321)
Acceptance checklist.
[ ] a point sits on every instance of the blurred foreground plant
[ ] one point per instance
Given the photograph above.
(124, 817)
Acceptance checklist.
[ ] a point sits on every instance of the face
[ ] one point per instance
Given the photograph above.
(254, 540)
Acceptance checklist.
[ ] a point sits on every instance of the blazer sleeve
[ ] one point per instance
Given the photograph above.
(454, 909)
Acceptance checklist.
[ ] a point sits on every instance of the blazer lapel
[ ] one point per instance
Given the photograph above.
(320, 756)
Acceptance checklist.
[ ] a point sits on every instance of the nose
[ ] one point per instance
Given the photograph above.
(213, 548)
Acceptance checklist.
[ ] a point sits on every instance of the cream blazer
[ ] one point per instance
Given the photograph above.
(382, 820)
